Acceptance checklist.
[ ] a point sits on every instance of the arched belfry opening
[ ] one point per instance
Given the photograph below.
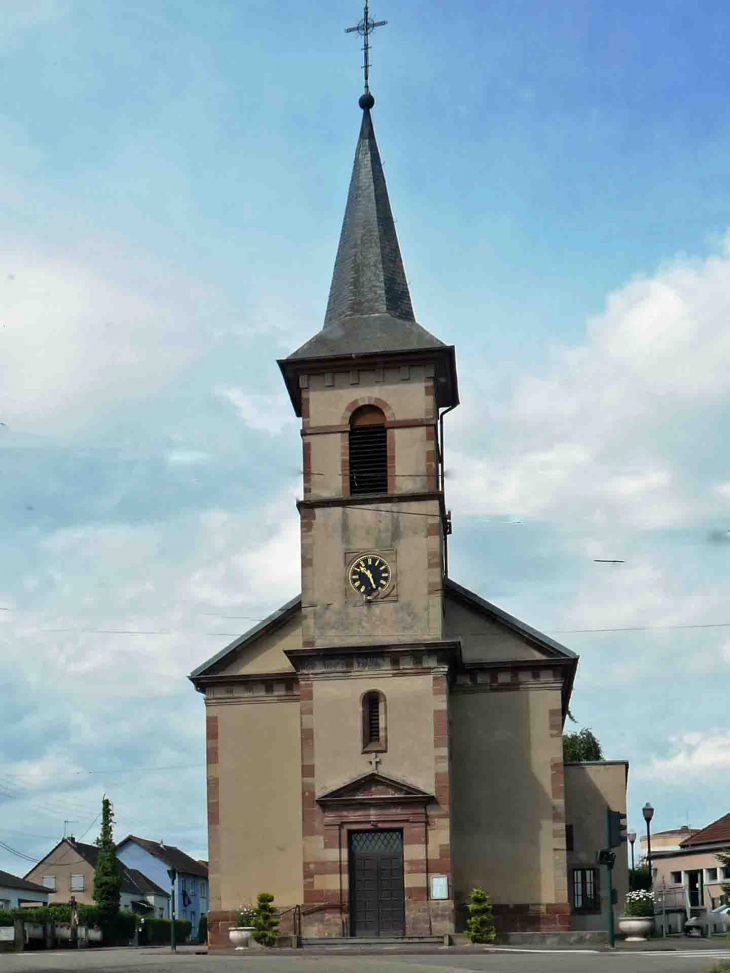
(368, 451)
(374, 722)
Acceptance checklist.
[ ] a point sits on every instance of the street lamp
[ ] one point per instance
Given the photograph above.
(631, 835)
(648, 812)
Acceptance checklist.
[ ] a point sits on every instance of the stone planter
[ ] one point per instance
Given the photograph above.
(636, 928)
(240, 936)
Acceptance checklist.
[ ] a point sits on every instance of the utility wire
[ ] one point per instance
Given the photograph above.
(552, 631)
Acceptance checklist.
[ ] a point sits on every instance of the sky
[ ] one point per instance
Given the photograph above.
(172, 184)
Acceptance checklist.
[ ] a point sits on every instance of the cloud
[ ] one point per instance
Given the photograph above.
(80, 338)
(697, 755)
(595, 436)
(187, 457)
(264, 413)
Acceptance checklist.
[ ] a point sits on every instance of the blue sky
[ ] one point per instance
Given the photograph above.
(173, 179)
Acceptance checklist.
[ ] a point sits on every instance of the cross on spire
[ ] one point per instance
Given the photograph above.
(365, 28)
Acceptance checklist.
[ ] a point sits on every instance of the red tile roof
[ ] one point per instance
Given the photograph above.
(717, 831)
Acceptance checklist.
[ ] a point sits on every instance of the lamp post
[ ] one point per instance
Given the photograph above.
(631, 835)
(648, 812)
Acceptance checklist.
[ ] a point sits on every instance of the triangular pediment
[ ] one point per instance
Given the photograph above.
(375, 787)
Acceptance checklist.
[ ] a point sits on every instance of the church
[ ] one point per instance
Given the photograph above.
(388, 739)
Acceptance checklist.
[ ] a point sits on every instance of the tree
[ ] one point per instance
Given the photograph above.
(266, 923)
(480, 925)
(107, 881)
(640, 879)
(582, 746)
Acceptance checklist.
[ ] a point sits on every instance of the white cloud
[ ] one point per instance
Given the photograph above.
(697, 755)
(187, 457)
(236, 572)
(82, 337)
(594, 437)
(264, 413)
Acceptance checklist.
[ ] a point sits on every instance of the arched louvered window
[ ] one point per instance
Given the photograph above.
(368, 451)
(374, 736)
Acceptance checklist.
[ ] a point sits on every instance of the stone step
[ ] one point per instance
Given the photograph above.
(361, 942)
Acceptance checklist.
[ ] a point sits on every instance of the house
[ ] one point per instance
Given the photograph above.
(68, 870)
(689, 876)
(408, 731)
(16, 892)
(155, 858)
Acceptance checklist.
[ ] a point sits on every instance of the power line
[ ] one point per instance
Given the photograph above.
(19, 854)
(635, 628)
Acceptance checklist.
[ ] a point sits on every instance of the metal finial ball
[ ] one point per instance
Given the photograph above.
(366, 101)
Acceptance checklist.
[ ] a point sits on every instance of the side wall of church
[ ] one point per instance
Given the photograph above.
(508, 799)
(254, 802)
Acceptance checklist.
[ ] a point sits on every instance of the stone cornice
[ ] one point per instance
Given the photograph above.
(388, 658)
(374, 499)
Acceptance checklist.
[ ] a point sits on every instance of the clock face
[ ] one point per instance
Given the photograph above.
(370, 575)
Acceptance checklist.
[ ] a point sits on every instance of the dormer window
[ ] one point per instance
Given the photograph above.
(368, 451)
(374, 735)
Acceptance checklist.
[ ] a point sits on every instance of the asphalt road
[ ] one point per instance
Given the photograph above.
(442, 961)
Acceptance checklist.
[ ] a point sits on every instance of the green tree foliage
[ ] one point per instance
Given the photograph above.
(480, 924)
(266, 923)
(640, 879)
(107, 881)
(578, 747)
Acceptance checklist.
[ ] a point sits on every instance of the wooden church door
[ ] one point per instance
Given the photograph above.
(377, 892)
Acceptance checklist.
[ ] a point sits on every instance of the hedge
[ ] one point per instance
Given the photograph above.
(156, 932)
(6, 917)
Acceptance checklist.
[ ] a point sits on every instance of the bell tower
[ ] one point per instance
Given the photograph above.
(370, 388)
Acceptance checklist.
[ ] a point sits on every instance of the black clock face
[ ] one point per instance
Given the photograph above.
(370, 575)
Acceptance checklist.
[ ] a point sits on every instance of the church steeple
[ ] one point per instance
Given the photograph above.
(368, 277)
(369, 311)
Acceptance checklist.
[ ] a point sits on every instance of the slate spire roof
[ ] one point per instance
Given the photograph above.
(369, 308)
(368, 277)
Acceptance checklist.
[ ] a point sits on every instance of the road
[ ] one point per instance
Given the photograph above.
(475, 960)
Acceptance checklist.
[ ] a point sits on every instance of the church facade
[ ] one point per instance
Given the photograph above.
(388, 739)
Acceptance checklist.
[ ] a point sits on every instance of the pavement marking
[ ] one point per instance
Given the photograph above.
(692, 953)
(516, 949)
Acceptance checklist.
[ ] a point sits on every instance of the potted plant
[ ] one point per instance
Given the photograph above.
(638, 919)
(240, 934)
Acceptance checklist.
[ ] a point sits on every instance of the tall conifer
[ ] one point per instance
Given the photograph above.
(107, 881)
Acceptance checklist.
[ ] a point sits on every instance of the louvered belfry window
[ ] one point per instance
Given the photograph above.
(368, 451)
(374, 722)
(373, 719)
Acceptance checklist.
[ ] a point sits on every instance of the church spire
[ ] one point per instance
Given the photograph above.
(368, 277)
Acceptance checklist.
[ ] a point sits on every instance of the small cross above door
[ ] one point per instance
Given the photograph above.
(375, 761)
